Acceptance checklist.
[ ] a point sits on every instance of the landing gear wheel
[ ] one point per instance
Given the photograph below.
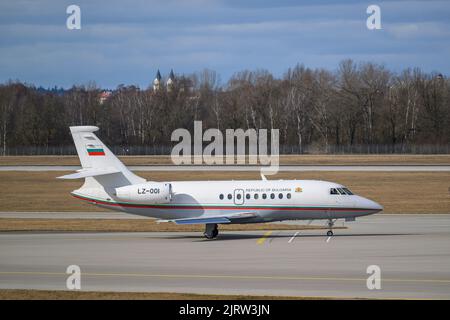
(330, 226)
(211, 231)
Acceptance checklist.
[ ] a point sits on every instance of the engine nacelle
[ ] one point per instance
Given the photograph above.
(149, 192)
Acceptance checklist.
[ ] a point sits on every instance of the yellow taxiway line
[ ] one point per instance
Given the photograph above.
(264, 237)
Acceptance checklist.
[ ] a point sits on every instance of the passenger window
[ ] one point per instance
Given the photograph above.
(280, 196)
(272, 196)
(247, 196)
(264, 196)
(238, 196)
(230, 196)
(256, 196)
(288, 196)
(221, 197)
(341, 191)
(333, 191)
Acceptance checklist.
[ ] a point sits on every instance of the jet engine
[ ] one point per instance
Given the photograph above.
(149, 192)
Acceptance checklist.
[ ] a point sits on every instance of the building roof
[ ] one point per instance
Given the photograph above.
(158, 75)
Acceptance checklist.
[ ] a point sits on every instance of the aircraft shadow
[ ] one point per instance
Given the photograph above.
(242, 236)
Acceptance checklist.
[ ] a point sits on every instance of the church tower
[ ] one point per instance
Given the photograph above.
(157, 81)
(171, 81)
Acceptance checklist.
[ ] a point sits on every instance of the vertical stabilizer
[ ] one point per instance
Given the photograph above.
(96, 157)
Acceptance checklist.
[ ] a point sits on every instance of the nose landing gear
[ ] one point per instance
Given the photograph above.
(211, 231)
(330, 226)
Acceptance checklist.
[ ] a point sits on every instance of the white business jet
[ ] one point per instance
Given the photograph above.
(109, 184)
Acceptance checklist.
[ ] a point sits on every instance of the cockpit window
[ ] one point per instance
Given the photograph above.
(342, 191)
(333, 191)
(348, 191)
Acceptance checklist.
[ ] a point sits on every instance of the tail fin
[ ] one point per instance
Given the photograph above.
(99, 164)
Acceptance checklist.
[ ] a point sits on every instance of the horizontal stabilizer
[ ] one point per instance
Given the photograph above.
(84, 173)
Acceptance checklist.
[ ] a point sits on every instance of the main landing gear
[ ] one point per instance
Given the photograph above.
(330, 226)
(211, 231)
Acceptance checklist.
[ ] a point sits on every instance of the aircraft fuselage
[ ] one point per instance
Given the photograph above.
(268, 200)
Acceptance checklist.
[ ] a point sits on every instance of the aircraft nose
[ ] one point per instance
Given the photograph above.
(372, 205)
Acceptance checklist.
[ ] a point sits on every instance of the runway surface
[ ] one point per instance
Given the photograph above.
(286, 168)
(69, 215)
(413, 252)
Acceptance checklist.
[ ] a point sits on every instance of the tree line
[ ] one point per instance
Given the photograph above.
(314, 109)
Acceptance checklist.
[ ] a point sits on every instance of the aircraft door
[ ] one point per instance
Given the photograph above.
(238, 196)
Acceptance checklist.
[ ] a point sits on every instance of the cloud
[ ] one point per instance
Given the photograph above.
(126, 42)
(420, 30)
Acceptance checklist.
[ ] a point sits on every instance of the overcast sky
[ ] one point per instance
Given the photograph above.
(127, 41)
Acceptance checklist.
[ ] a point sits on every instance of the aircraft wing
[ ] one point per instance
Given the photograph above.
(83, 173)
(213, 219)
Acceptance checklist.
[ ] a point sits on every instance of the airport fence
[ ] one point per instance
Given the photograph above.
(284, 149)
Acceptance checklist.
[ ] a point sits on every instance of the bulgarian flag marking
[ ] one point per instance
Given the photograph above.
(95, 150)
